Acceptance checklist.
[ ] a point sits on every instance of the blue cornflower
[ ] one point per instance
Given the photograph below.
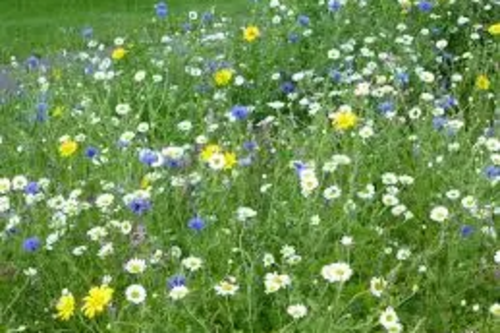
(186, 26)
(403, 78)
(287, 87)
(334, 5)
(492, 172)
(299, 167)
(336, 75)
(91, 152)
(386, 107)
(87, 32)
(250, 145)
(239, 112)
(448, 102)
(303, 20)
(207, 17)
(42, 112)
(161, 10)
(33, 62)
(32, 188)
(139, 206)
(466, 230)
(425, 6)
(293, 37)
(148, 157)
(439, 122)
(196, 223)
(31, 244)
(176, 281)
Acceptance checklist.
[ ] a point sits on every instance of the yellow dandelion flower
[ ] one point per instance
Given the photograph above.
(65, 307)
(251, 33)
(145, 182)
(482, 82)
(344, 120)
(97, 300)
(494, 29)
(118, 53)
(209, 151)
(230, 160)
(223, 77)
(68, 148)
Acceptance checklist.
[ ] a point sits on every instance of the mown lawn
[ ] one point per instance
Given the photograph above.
(39, 26)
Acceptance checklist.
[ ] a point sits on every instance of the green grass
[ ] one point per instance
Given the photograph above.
(40, 26)
(312, 180)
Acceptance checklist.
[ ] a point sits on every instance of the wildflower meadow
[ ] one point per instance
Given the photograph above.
(263, 166)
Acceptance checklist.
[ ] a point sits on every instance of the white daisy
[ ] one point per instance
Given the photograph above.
(135, 294)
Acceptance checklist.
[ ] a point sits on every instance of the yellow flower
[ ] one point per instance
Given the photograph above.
(482, 82)
(208, 151)
(68, 148)
(223, 77)
(145, 182)
(97, 300)
(229, 160)
(344, 120)
(494, 29)
(65, 307)
(251, 33)
(118, 53)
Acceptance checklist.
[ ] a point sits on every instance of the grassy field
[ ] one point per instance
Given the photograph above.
(40, 26)
(266, 167)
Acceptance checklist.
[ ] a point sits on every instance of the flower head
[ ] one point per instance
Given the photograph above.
(97, 300)
(68, 148)
(65, 306)
(31, 244)
(482, 82)
(494, 29)
(135, 294)
(118, 53)
(337, 272)
(251, 33)
(223, 77)
(297, 311)
(344, 120)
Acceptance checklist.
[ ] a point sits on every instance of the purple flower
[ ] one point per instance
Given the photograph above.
(303, 20)
(139, 206)
(293, 37)
(161, 10)
(288, 87)
(148, 157)
(91, 152)
(31, 244)
(386, 107)
(32, 188)
(33, 62)
(492, 172)
(176, 281)
(250, 145)
(425, 6)
(439, 122)
(196, 223)
(466, 230)
(403, 78)
(334, 5)
(239, 112)
(41, 112)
